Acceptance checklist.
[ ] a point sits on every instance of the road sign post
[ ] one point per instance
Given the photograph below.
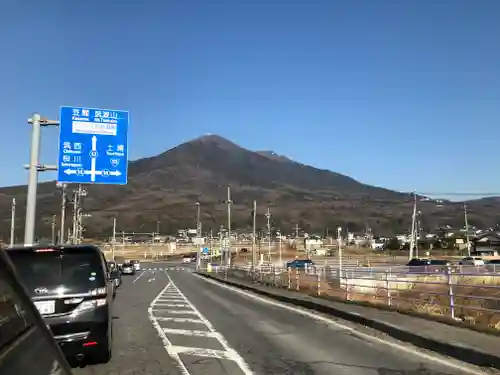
(93, 146)
(34, 167)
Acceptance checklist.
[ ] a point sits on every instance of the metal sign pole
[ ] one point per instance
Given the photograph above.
(29, 228)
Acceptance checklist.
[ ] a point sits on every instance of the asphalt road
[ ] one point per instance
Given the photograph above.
(173, 322)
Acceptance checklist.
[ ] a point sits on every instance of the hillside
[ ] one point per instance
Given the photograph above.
(166, 188)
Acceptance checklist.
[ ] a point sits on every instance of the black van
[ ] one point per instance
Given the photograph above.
(26, 344)
(71, 287)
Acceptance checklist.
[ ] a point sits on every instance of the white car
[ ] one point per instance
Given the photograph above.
(472, 261)
(136, 264)
(187, 259)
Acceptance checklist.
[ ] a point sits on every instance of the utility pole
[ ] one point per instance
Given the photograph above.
(254, 214)
(339, 245)
(281, 249)
(210, 244)
(13, 223)
(34, 168)
(467, 230)
(198, 226)
(75, 217)
(158, 227)
(113, 245)
(418, 232)
(63, 212)
(228, 202)
(268, 217)
(78, 214)
(220, 240)
(413, 226)
(297, 230)
(54, 229)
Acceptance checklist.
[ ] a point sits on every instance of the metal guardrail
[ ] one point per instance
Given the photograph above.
(466, 293)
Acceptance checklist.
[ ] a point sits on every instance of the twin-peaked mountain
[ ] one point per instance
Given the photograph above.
(166, 187)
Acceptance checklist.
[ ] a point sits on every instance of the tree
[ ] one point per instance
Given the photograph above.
(394, 244)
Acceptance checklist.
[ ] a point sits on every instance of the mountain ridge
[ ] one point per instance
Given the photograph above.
(167, 186)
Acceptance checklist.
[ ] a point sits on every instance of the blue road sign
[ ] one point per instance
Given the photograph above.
(205, 250)
(93, 146)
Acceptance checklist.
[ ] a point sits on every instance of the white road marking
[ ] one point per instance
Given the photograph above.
(174, 351)
(179, 312)
(428, 357)
(190, 332)
(138, 277)
(178, 320)
(171, 305)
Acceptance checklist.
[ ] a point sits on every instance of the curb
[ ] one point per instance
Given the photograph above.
(454, 350)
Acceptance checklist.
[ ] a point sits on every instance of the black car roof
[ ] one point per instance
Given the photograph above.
(55, 247)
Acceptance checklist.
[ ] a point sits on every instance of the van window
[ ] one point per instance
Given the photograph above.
(77, 269)
(13, 319)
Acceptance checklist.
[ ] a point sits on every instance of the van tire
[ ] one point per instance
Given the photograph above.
(105, 351)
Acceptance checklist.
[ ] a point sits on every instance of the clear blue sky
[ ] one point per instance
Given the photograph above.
(400, 94)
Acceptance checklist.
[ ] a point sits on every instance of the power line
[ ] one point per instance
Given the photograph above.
(471, 194)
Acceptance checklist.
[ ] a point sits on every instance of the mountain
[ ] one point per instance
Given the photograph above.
(166, 187)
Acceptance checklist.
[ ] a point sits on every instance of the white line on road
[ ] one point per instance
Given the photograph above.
(175, 312)
(428, 357)
(174, 350)
(138, 277)
(171, 305)
(190, 332)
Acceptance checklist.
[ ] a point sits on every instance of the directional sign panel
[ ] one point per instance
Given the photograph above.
(93, 146)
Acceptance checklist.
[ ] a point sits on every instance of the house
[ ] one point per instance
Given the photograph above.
(487, 240)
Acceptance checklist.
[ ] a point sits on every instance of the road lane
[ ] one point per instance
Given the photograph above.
(137, 349)
(273, 340)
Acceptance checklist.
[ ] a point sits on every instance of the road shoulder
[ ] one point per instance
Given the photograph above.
(460, 343)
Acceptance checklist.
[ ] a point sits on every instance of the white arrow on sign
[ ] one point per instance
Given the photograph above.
(94, 173)
(93, 159)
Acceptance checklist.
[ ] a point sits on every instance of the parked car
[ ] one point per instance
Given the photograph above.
(300, 264)
(472, 261)
(26, 344)
(429, 265)
(72, 290)
(128, 268)
(137, 264)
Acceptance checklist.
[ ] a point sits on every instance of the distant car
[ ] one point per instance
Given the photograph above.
(137, 264)
(128, 268)
(187, 259)
(472, 261)
(71, 287)
(428, 265)
(300, 264)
